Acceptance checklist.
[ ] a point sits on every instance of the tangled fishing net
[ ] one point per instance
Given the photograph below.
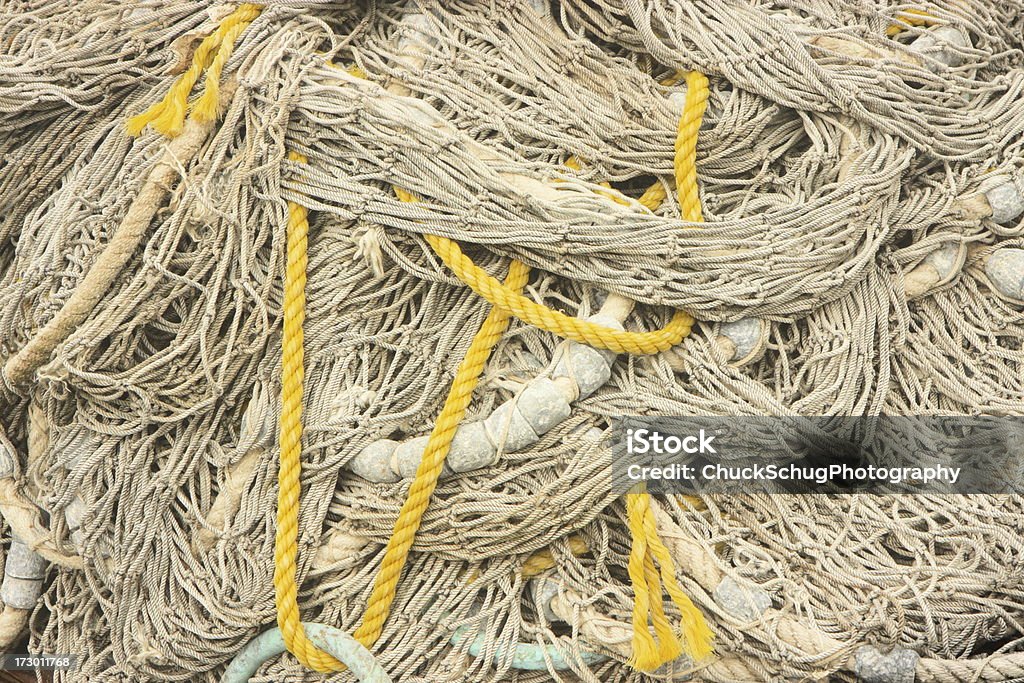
(859, 167)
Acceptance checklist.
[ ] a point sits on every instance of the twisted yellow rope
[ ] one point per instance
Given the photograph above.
(433, 458)
(538, 315)
(650, 564)
(686, 146)
(289, 485)
(411, 514)
(647, 550)
(650, 653)
(168, 115)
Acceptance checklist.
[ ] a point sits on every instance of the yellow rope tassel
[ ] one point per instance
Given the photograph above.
(645, 656)
(668, 644)
(696, 633)
(647, 551)
(168, 115)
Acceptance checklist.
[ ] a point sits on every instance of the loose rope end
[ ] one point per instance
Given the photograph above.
(168, 116)
(171, 120)
(648, 583)
(136, 124)
(646, 655)
(205, 108)
(697, 635)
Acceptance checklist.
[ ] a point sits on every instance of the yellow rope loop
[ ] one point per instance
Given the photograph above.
(647, 548)
(168, 115)
(507, 300)
(527, 310)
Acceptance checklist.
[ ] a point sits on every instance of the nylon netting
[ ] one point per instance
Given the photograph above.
(833, 162)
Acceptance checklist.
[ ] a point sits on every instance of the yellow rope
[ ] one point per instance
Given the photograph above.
(529, 311)
(650, 564)
(647, 549)
(686, 146)
(427, 473)
(290, 468)
(205, 108)
(652, 651)
(910, 17)
(433, 458)
(685, 151)
(168, 115)
(696, 633)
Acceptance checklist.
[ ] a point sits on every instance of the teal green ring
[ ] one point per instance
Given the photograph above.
(341, 645)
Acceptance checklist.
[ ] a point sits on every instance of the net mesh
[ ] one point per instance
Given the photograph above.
(833, 161)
